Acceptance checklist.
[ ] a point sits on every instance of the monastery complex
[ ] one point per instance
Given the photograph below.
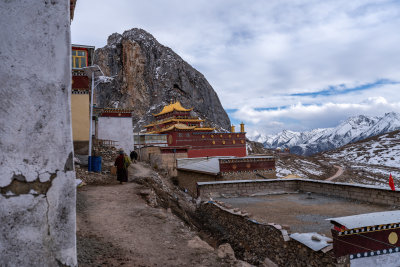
(194, 169)
(186, 132)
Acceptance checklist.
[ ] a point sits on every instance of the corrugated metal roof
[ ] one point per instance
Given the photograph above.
(368, 219)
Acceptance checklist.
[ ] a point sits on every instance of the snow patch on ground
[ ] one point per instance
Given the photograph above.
(372, 160)
(383, 152)
(282, 172)
(105, 79)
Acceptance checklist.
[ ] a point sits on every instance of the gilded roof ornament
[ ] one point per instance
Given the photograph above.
(171, 107)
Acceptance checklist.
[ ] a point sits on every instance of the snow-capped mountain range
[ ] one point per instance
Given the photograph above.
(353, 129)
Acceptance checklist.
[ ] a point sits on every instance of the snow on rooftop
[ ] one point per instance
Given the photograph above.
(207, 165)
(105, 79)
(314, 240)
(368, 219)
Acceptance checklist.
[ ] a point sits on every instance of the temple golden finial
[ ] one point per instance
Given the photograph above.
(242, 127)
(232, 128)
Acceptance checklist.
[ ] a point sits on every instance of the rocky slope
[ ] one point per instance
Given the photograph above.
(294, 165)
(369, 161)
(352, 130)
(142, 74)
(303, 167)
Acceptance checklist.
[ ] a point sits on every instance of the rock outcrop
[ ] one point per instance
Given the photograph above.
(142, 74)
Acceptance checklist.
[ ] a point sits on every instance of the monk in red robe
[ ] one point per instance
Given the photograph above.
(122, 174)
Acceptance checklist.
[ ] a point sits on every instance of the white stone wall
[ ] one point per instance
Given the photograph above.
(37, 187)
(386, 260)
(118, 129)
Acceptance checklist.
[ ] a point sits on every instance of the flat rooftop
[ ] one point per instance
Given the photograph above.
(303, 214)
(210, 165)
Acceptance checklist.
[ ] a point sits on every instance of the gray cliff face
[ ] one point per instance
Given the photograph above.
(145, 75)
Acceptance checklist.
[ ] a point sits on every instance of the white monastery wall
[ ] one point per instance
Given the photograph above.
(37, 179)
(118, 129)
(386, 260)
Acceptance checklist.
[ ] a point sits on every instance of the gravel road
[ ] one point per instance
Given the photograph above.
(116, 227)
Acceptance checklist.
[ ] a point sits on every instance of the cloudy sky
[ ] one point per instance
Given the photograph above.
(275, 65)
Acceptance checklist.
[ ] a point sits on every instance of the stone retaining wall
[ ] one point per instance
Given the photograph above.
(188, 179)
(253, 241)
(269, 174)
(158, 160)
(371, 194)
(144, 152)
(244, 187)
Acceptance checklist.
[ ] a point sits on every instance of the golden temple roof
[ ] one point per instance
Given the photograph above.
(204, 129)
(178, 126)
(174, 120)
(171, 107)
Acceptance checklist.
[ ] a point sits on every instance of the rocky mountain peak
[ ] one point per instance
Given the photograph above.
(141, 36)
(145, 75)
(114, 39)
(360, 119)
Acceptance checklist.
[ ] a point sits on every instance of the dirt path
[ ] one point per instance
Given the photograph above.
(337, 174)
(116, 227)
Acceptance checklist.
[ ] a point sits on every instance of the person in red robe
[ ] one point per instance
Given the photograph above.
(391, 183)
(122, 174)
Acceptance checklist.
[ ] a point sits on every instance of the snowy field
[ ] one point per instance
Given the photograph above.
(372, 160)
(303, 167)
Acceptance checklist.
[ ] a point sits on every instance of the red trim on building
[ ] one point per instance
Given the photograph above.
(82, 49)
(116, 114)
(248, 164)
(363, 242)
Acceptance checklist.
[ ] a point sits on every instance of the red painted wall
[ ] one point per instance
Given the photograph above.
(209, 144)
(212, 152)
(209, 140)
(363, 242)
(80, 82)
(249, 164)
(115, 114)
(172, 114)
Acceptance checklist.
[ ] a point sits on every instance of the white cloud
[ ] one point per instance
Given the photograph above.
(300, 117)
(256, 53)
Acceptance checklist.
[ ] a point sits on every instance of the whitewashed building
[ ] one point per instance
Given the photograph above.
(37, 178)
(115, 124)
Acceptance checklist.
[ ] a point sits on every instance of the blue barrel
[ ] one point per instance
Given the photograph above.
(94, 164)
